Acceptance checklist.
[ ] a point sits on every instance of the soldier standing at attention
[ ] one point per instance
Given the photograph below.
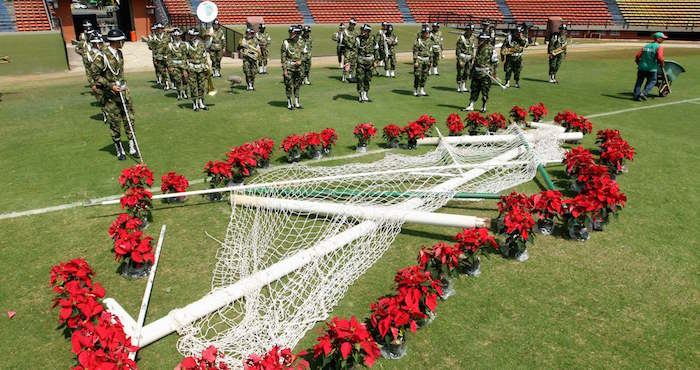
(422, 52)
(306, 53)
(485, 63)
(390, 42)
(248, 46)
(108, 68)
(350, 56)
(367, 54)
(512, 55)
(83, 46)
(379, 37)
(340, 47)
(264, 41)
(198, 71)
(92, 54)
(160, 46)
(177, 67)
(216, 49)
(466, 45)
(150, 42)
(556, 49)
(436, 35)
(291, 55)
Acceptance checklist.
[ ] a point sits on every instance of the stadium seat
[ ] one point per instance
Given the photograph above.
(572, 11)
(674, 13)
(423, 9)
(30, 15)
(364, 11)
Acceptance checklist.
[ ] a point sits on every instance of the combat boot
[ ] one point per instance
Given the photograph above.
(464, 87)
(133, 150)
(459, 87)
(201, 105)
(422, 92)
(120, 150)
(184, 94)
(388, 74)
(296, 103)
(361, 97)
(483, 107)
(179, 95)
(289, 104)
(364, 96)
(194, 105)
(436, 71)
(393, 73)
(344, 79)
(517, 84)
(507, 84)
(306, 81)
(470, 107)
(415, 92)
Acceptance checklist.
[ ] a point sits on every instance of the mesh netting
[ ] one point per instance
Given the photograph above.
(270, 237)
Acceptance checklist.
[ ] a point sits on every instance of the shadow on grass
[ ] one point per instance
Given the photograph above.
(444, 88)
(171, 95)
(189, 105)
(402, 92)
(451, 106)
(535, 80)
(337, 78)
(621, 95)
(345, 97)
(97, 117)
(278, 103)
(426, 235)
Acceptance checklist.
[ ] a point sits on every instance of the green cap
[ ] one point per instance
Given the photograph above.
(659, 35)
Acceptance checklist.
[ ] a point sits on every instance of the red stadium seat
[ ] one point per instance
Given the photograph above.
(364, 11)
(31, 16)
(572, 11)
(423, 9)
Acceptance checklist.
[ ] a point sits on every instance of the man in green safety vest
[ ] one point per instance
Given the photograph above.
(649, 60)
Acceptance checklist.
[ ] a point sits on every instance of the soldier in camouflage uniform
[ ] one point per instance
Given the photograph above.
(466, 45)
(436, 35)
(108, 69)
(92, 54)
(484, 68)
(512, 55)
(250, 50)
(379, 37)
(198, 70)
(216, 48)
(264, 41)
(422, 52)
(291, 55)
(350, 49)
(150, 43)
(83, 46)
(340, 46)
(367, 55)
(557, 44)
(177, 63)
(306, 54)
(160, 47)
(390, 41)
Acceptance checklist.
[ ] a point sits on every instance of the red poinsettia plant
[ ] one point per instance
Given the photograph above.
(263, 149)
(496, 121)
(573, 122)
(607, 192)
(614, 153)
(242, 160)
(390, 317)
(276, 359)
(391, 133)
(475, 122)
(604, 136)
(440, 260)
(582, 209)
(211, 359)
(577, 158)
(218, 173)
(537, 111)
(329, 138)
(566, 118)
(413, 131)
(136, 176)
(313, 144)
(455, 124)
(589, 174)
(134, 249)
(103, 345)
(427, 122)
(518, 114)
(547, 205)
(124, 224)
(364, 132)
(293, 145)
(512, 201)
(417, 285)
(344, 344)
(473, 242)
(582, 125)
(519, 225)
(77, 295)
(173, 183)
(137, 201)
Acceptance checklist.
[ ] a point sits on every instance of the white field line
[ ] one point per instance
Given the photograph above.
(63, 207)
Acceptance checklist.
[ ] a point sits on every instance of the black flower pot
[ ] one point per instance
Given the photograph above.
(448, 289)
(328, 151)
(215, 197)
(579, 232)
(545, 226)
(263, 163)
(472, 133)
(394, 350)
(394, 144)
(133, 270)
(412, 144)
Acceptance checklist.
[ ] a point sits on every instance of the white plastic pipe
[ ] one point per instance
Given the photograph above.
(485, 139)
(127, 321)
(219, 298)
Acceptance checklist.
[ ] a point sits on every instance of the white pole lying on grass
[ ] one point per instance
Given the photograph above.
(483, 139)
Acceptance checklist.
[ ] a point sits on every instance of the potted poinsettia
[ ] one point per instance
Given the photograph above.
(518, 115)
(243, 161)
(135, 252)
(577, 158)
(102, 344)
(174, 183)
(604, 136)
(613, 154)
(582, 125)
(441, 261)
(138, 203)
(472, 243)
(390, 318)
(344, 344)
(607, 192)
(392, 134)
(124, 224)
(276, 359)
(328, 137)
(519, 232)
(587, 176)
(313, 145)
(455, 124)
(364, 132)
(413, 131)
(580, 212)
(537, 111)
(495, 121)
(475, 122)
(137, 176)
(218, 174)
(509, 202)
(211, 359)
(76, 294)
(566, 119)
(427, 122)
(293, 145)
(547, 206)
(417, 285)
(262, 150)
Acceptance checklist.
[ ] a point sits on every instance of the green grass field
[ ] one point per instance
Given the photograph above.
(628, 298)
(32, 52)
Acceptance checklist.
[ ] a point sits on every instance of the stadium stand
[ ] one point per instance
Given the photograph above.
(30, 15)
(423, 9)
(6, 24)
(673, 13)
(573, 11)
(273, 11)
(364, 11)
(180, 12)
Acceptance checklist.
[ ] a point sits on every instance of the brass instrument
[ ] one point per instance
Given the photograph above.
(558, 50)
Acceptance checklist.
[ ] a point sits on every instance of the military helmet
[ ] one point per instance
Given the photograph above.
(563, 27)
(366, 27)
(216, 21)
(352, 21)
(307, 28)
(261, 26)
(176, 32)
(193, 32)
(425, 28)
(249, 30)
(341, 26)
(520, 29)
(484, 36)
(469, 27)
(115, 34)
(87, 24)
(154, 27)
(389, 27)
(96, 38)
(436, 25)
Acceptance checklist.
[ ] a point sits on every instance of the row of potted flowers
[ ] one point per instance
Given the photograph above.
(314, 144)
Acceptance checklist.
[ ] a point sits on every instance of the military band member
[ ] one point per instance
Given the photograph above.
(217, 40)
(379, 37)
(250, 51)
(512, 55)
(466, 45)
(176, 57)
(264, 41)
(484, 68)
(83, 46)
(306, 54)
(150, 42)
(108, 69)
(340, 46)
(197, 70)
(97, 44)
(291, 57)
(436, 35)
(422, 53)
(556, 50)
(350, 50)
(389, 44)
(367, 55)
(160, 47)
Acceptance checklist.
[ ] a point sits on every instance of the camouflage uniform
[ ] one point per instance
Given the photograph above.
(350, 51)
(512, 52)
(264, 41)
(177, 62)
(437, 38)
(306, 56)
(198, 70)
(251, 53)
(422, 52)
(379, 38)
(556, 41)
(367, 54)
(92, 54)
(108, 70)
(485, 62)
(160, 46)
(291, 54)
(82, 49)
(216, 49)
(466, 45)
